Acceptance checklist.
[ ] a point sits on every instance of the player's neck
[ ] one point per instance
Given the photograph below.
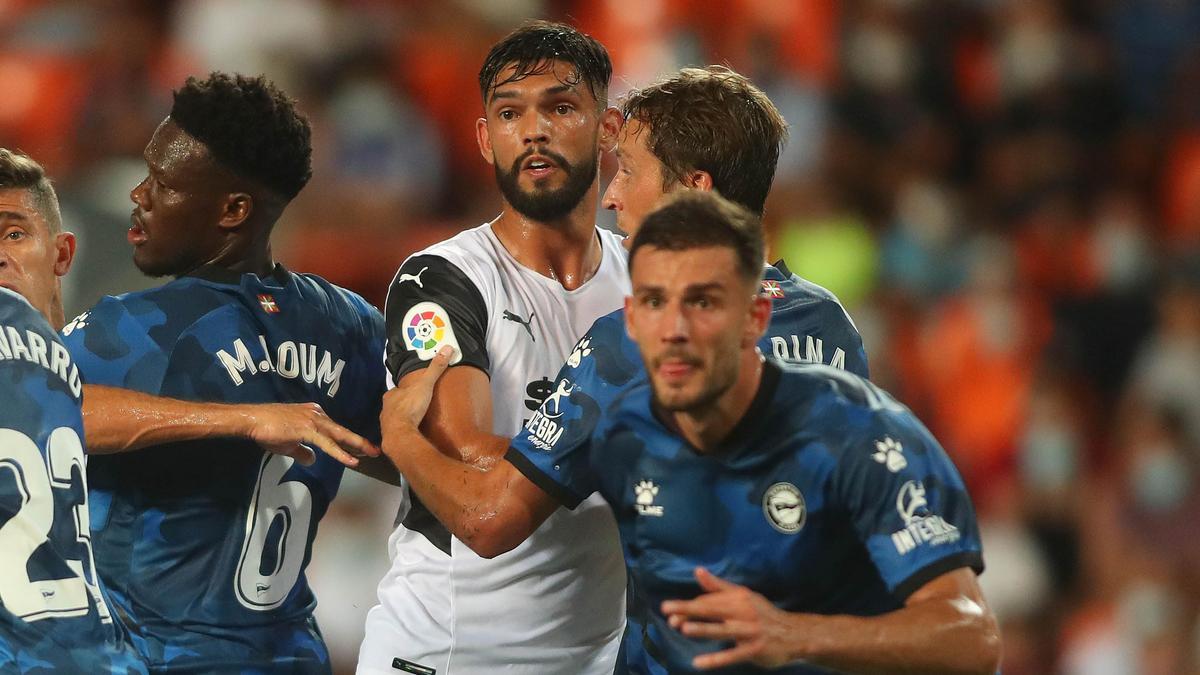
(707, 429)
(566, 250)
(255, 258)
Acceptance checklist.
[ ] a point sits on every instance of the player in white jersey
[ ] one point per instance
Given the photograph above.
(512, 296)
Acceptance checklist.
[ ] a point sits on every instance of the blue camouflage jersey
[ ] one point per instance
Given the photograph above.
(54, 617)
(828, 497)
(203, 544)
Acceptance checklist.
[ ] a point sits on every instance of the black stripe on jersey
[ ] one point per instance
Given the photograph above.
(430, 278)
(935, 569)
(527, 468)
(421, 520)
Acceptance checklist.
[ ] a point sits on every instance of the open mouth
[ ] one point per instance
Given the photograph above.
(538, 166)
(137, 232)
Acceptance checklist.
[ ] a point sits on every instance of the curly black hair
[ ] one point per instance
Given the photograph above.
(533, 48)
(250, 126)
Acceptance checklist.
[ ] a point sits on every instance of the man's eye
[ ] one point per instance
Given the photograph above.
(15, 235)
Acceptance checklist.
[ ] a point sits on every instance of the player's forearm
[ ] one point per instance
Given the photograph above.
(119, 420)
(467, 500)
(937, 636)
(481, 452)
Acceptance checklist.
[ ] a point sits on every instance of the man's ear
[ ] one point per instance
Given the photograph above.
(760, 318)
(611, 122)
(64, 253)
(236, 210)
(484, 140)
(698, 180)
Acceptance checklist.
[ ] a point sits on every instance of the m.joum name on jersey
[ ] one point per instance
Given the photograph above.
(289, 359)
(28, 346)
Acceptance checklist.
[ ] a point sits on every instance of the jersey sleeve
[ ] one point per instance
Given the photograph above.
(432, 303)
(907, 503)
(555, 448)
(113, 348)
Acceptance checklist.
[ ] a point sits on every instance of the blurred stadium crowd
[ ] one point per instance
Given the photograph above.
(1004, 193)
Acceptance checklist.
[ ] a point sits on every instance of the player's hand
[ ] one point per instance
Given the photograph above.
(406, 404)
(727, 611)
(294, 429)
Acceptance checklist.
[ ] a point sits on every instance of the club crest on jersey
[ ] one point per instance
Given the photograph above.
(268, 303)
(644, 493)
(783, 505)
(772, 289)
(426, 328)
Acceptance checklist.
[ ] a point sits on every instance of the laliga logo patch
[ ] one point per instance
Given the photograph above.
(783, 505)
(426, 328)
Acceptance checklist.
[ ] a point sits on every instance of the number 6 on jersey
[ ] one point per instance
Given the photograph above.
(277, 526)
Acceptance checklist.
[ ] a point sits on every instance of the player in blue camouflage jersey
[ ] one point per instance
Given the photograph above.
(773, 516)
(203, 544)
(54, 614)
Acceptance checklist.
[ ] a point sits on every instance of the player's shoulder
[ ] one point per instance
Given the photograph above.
(794, 289)
(16, 312)
(339, 302)
(167, 310)
(609, 326)
(467, 263)
(472, 247)
(836, 394)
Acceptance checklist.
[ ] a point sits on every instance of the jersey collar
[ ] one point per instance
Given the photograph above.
(222, 275)
(752, 423)
(756, 418)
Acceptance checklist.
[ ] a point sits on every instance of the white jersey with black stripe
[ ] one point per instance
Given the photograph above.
(555, 604)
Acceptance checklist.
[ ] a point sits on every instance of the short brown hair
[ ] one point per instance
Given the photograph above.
(714, 120)
(20, 172)
(698, 219)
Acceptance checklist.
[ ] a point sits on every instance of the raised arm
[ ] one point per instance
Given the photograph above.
(120, 420)
(491, 510)
(944, 627)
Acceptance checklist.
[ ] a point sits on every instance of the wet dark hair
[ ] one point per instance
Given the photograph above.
(250, 127)
(533, 48)
(702, 219)
(713, 120)
(19, 171)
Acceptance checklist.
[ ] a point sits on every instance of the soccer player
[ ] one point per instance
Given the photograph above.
(203, 544)
(772, 515)
(54, 615)
(513, 295)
